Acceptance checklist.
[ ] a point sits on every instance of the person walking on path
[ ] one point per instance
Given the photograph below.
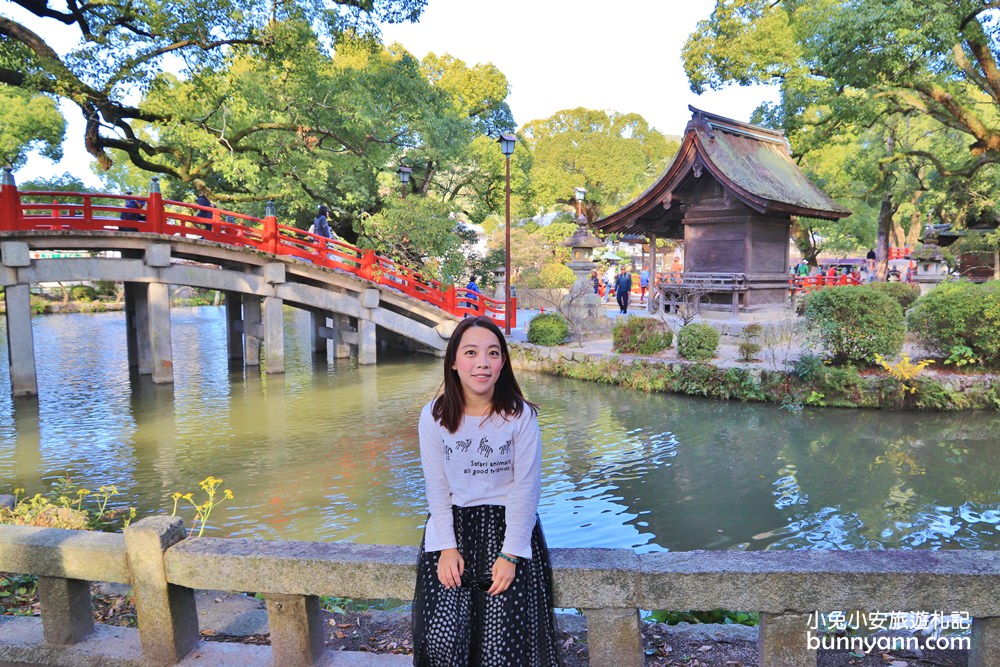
(870, 260)
(483, 593)
(623, 289)
(643, 284)
(609, 283)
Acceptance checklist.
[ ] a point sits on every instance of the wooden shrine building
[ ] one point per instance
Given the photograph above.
(730, 194)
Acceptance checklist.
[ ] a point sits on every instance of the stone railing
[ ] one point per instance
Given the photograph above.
(609, 585)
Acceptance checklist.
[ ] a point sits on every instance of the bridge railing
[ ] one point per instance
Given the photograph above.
(610, 585)
(99, 212)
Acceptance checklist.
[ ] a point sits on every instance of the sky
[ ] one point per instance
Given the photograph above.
(620, 56)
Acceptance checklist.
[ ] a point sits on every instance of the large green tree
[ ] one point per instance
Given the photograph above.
(123, 48)
(615, 156)
(914, 83)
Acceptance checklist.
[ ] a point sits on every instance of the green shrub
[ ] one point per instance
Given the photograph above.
(959, 315)
(853, 324)
(697, 342)
(640, 335)
(905, 294)
(40, 305)
(548, 329)
(82, 293)
(748, 346)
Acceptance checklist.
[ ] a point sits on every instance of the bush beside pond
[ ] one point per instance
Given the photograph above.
(960, 321)
(811, 384)
(854, 324)
(640, 335)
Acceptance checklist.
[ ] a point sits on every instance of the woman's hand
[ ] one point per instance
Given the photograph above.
(451, 565)
(503, 576)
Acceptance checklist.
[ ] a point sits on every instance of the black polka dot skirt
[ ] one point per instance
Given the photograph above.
(468, 627)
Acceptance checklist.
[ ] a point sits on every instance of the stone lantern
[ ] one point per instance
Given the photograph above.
(581, 245)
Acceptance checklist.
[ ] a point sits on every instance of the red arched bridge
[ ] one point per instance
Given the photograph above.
(359, 300)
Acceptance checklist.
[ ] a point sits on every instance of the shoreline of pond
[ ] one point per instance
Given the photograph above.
(726, 378)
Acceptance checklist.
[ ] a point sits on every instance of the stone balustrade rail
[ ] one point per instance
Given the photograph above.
(610, 586)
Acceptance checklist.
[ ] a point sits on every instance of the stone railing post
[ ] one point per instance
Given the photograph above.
(67, 615)
(985, 648)
(614, 637)
(296, 627)
(781, 641)
(166, 614)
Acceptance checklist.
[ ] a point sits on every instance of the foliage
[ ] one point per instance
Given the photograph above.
(640, 335)
(724, 616)
(961, 355)
(853, 324)
(548, 329)
(419, 232)
(122, 48)
(748, 346)
(959, 315)
(905, 294)
(904, 371)
(614, 156)
(31, 122)
(202, 511)
(83, 293)
(556, 276)
(697, 342)
(40, 305)
(808, 367)
(66, 505)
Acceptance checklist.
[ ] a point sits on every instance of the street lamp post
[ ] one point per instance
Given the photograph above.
(580, 193)
(506, 142)
(404, 177)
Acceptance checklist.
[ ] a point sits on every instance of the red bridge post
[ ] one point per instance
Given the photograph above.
(10, 202)
(270, 229)
(154, 208)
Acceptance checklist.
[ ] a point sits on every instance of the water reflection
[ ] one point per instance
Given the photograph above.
(328, 452)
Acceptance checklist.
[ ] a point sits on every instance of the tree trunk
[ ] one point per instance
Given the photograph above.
(886, 210)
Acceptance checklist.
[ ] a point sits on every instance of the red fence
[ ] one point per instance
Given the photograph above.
(810, 283)
(107, 212)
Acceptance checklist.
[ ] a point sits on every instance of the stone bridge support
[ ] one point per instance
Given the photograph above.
(20, 344)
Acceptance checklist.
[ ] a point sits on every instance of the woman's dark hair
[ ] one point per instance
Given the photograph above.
(321, 210)
(449, 408)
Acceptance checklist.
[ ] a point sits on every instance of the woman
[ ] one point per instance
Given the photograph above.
(484, 583)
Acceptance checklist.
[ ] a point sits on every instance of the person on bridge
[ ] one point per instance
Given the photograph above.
(483, 593)
(473, 288)
(643, 283)
(623, 289)
(321, 227)
(131, 205)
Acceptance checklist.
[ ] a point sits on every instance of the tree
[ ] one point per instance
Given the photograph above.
(421, 233)
(614, 156)
(123, 48)
(31, 122)
(910, 80)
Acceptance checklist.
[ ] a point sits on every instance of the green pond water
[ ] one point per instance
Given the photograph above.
(329, 452)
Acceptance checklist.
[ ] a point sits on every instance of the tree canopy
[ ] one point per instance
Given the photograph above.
(124, 48)
(615, 156)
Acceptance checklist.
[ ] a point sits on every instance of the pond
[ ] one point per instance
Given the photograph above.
(329, 452)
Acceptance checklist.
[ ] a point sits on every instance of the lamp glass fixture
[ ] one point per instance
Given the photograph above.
(506, 142)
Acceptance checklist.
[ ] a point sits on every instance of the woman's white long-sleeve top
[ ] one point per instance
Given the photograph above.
(487, 461)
